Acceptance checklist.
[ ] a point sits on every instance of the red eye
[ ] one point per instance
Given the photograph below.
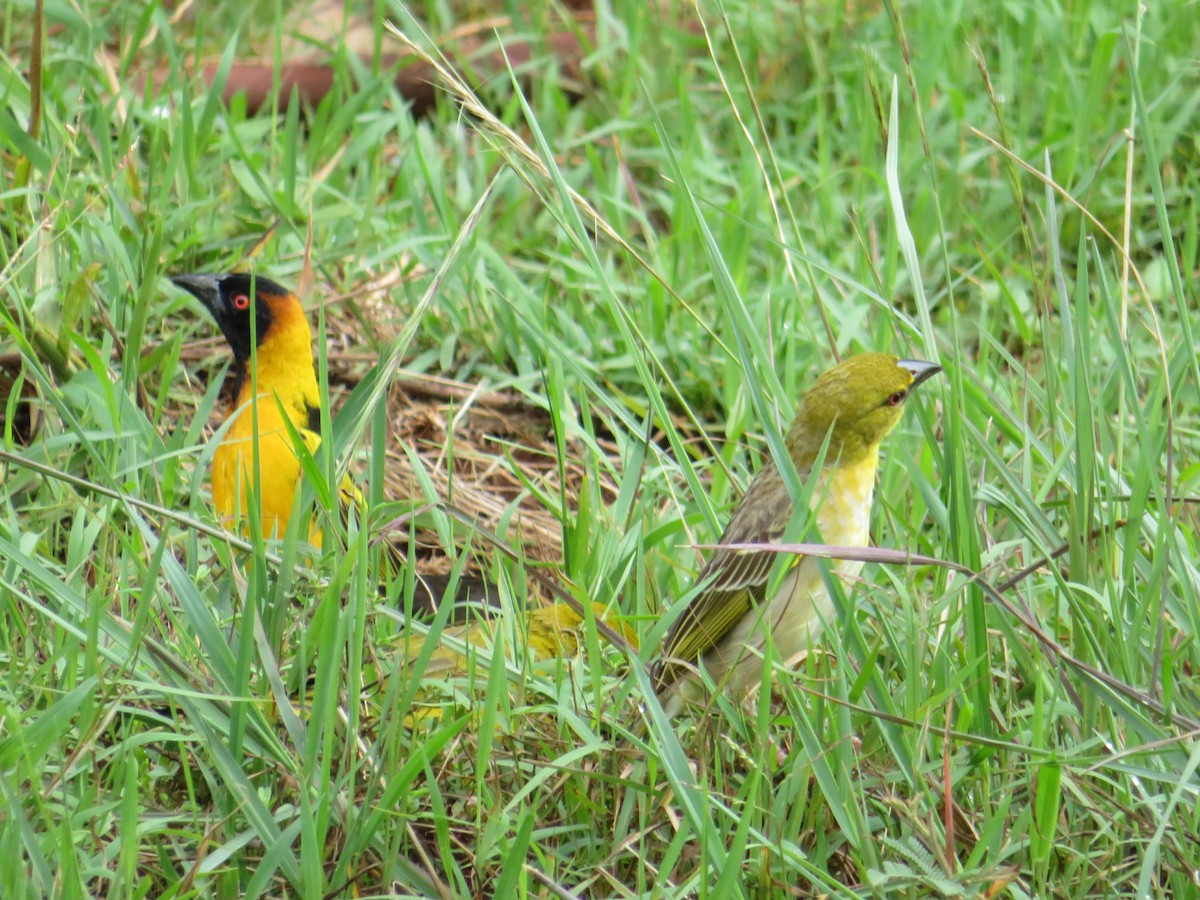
(241, 302)
(897, 398)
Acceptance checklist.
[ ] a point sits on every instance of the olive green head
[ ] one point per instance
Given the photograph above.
(856, 403)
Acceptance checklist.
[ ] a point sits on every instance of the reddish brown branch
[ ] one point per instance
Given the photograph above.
(311, 80)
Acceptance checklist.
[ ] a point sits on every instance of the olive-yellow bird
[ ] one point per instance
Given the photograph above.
(855, 405)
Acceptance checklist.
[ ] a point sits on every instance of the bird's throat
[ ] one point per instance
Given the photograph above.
(843, 503)
(285, 370)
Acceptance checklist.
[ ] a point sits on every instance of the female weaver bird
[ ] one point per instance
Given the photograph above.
(257, 312)
(724, 627)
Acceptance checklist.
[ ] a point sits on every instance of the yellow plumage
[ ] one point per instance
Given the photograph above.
(551, 632)
(287, 386)
(853, 407)
(842, 503)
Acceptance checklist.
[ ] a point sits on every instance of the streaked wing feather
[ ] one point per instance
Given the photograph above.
(740, 581)
(737, 579)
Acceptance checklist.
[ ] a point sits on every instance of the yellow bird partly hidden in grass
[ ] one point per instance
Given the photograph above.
(257, 312)
(725, 626)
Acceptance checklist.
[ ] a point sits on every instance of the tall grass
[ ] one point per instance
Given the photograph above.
(744, 192)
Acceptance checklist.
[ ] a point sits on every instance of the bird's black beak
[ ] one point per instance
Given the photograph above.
(205, 288)
(920, 370)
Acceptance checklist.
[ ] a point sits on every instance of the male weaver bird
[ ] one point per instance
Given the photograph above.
(261, 312)
(724, 627)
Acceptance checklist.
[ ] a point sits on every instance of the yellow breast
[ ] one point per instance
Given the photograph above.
(278, 470)
(796, 612)
(843, 505)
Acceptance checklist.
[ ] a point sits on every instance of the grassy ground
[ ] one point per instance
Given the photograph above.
(652, 275)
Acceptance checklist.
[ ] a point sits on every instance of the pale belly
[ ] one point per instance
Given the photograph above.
(802, 605)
